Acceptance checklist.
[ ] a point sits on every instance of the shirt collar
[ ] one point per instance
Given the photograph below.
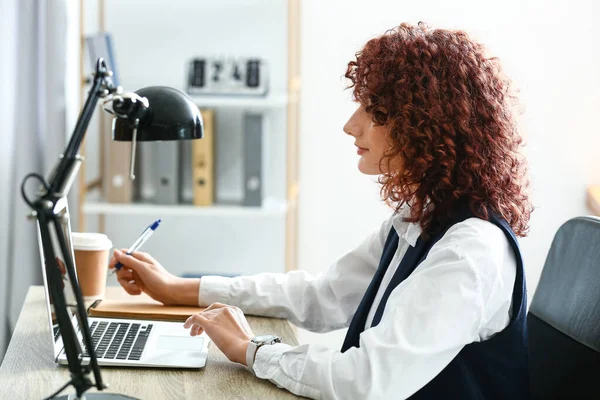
(405, 230)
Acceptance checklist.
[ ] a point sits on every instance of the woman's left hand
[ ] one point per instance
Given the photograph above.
(226, 326)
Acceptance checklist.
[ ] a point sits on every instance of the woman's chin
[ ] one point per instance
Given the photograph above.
(367, 169)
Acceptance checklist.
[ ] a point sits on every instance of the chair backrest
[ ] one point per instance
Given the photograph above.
(564, 316)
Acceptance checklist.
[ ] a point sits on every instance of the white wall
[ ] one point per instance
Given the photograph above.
(547, 47)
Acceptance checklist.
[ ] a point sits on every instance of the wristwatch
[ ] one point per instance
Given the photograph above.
(255, 344)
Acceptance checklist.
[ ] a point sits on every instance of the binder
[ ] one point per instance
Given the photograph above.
(116, 185)
(253, 183)
(101, 45)
(157, 172)
(143, 185)
(165, 156)
(203, 162)
(186, 180)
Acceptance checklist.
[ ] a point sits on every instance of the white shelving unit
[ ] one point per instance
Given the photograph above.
(123, 209)
(271, 101)
(223, 238)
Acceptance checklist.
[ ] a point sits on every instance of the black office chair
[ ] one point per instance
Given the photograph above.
(564, 316)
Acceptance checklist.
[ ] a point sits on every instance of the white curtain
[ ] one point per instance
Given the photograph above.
(33, 129)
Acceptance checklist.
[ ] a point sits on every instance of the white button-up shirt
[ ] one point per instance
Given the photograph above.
(461, 293)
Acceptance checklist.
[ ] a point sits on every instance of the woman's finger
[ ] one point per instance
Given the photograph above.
(130, 262)
(196, 330)
(195, 319)
(143, 256)
(125, 273)
(138, 281)
(130, 286)
(190, 321)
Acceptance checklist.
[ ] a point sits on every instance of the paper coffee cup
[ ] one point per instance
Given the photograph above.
(91, 261)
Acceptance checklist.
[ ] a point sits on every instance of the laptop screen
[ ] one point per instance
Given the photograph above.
(53, 332)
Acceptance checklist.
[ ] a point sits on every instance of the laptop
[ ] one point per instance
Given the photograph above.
(125, 342)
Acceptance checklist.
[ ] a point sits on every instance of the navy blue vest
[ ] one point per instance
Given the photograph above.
(493, 369)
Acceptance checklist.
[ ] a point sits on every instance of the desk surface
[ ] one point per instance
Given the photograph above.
(29, 372)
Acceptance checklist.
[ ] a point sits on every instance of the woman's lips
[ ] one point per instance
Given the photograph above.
(360, 151)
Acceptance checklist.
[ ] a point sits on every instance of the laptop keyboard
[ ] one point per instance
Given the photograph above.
(119, 340)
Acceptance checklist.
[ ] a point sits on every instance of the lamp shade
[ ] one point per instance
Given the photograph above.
(171, 115)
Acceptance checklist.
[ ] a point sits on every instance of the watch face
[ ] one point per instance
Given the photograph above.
(265, 339)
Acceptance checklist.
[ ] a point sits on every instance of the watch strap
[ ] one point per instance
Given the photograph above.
(250, 354)
(257, 343)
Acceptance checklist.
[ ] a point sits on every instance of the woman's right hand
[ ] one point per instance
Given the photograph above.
(142, 273)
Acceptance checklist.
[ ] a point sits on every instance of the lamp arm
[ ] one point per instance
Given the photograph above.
(183, 121)
(48, 209)
(63, 175)
(79, 372)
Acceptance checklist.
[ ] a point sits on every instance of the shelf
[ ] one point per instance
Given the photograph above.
(241, 101)
(105, 208)
(593, 199)
(265, 237)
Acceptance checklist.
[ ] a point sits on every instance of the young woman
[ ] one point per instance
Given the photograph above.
(435, 299)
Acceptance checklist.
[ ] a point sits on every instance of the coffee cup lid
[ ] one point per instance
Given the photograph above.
(90, 241)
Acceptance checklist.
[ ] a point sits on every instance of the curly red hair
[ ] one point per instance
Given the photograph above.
(449, 112)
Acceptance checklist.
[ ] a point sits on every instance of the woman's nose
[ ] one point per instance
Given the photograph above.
(350, 128)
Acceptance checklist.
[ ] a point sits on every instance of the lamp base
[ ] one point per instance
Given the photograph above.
(95, 396)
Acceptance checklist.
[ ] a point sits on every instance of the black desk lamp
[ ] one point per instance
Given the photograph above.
(150, 114)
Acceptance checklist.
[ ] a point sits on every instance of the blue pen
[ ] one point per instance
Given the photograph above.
(139, 242)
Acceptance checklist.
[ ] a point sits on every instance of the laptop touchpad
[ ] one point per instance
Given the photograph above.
(180, 343)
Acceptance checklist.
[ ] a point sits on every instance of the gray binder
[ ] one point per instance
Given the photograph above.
(157, 172)
(166, 160)
(186, 192)
(253, 182)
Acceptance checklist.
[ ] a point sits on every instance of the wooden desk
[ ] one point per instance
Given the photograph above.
(593, 199)
(29, 372)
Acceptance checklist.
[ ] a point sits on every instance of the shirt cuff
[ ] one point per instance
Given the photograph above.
(267, 365)
(267, 358)
(214, 289)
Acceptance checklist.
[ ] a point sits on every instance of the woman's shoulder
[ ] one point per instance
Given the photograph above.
(485, 248)
(477, 233)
